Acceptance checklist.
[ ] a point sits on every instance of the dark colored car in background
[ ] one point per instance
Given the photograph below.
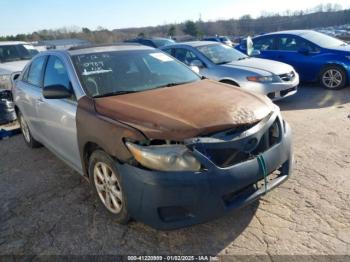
(156, 42)
(315, 56)
(221, 39)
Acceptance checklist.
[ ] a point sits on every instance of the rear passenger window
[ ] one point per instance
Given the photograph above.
(56, 73)
(34, 76)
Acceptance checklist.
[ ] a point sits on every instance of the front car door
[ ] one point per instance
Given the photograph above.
(187, 55)
(58, 123)
(299, 53)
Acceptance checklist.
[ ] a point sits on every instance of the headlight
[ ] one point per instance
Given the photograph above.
(5, 82)
(260, 78)
(165, 157)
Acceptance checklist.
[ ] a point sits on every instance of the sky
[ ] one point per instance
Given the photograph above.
(26, 16)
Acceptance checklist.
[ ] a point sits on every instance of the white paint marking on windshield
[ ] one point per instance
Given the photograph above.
(87, 73)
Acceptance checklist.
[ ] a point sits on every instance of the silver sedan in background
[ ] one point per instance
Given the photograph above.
(222, 63)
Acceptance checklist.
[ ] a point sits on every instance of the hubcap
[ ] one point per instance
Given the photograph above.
(25, 129)
(108, 187)
(332, 78)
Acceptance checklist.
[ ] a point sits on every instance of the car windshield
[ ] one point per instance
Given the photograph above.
(221, 54)
(119, 72)
(10, 53)
(163, 42)
(323, 40)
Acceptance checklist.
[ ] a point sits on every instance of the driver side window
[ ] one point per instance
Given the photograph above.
(263, 44)
(56, 73)
(185, 56)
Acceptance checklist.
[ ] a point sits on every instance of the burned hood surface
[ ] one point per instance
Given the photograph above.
(185, 111)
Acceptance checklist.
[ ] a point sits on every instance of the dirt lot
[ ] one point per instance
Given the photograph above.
(46, 208)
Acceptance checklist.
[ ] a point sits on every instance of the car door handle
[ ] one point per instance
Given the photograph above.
(40, 101)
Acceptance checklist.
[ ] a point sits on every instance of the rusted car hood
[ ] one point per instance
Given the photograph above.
(185, 111)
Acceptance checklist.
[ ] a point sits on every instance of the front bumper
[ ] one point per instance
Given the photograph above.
(275, 90)
(278, 95)
(169, 200)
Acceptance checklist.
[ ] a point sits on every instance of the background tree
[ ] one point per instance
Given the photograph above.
(190, 28)
(141, 35)
(172, 31)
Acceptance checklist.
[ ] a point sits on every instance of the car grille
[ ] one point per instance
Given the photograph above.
(287, 77)
(225, 157)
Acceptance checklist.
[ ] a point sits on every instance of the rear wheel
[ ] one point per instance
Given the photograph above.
(333, 77)
(107, 185)
(30, 141)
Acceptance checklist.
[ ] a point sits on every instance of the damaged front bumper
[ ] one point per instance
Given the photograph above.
(169, 200)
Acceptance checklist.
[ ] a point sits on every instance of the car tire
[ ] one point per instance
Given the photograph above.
(27, 136)
(106, 183)
(333, 77)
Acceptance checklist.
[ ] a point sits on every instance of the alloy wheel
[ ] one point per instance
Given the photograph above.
(108, 187)
(25, 129)
(332, 78)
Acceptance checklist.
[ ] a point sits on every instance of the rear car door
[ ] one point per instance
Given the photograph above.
(58, 124)
(29, 92)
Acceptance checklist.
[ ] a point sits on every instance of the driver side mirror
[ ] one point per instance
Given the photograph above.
(56, 92)
(304, 51)
(196, 63)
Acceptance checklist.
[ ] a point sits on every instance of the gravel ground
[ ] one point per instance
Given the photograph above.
(46, 208)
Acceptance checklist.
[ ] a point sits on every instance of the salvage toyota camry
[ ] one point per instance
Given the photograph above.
(158, 143)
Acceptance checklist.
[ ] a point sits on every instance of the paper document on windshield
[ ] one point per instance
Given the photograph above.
(162, 57)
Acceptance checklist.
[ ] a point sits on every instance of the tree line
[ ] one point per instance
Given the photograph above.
(321, 16)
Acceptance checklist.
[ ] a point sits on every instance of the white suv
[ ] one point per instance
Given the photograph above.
(13, 57)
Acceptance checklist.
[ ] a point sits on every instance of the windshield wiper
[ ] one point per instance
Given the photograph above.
(225, 62)
(243, 58)
(123, 92)
(172, 84)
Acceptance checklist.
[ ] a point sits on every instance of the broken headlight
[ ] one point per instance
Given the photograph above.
(165, 157)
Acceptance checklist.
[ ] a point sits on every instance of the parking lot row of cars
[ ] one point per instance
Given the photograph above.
(170, 137)
(313, 55)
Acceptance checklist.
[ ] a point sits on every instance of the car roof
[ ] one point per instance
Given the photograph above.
(291, 32)
(193, 44)
(13, 43)
(149, 38)
(107, 48)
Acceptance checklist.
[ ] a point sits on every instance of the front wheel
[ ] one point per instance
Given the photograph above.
(107, 185)
(30, 141)
(333, 77)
